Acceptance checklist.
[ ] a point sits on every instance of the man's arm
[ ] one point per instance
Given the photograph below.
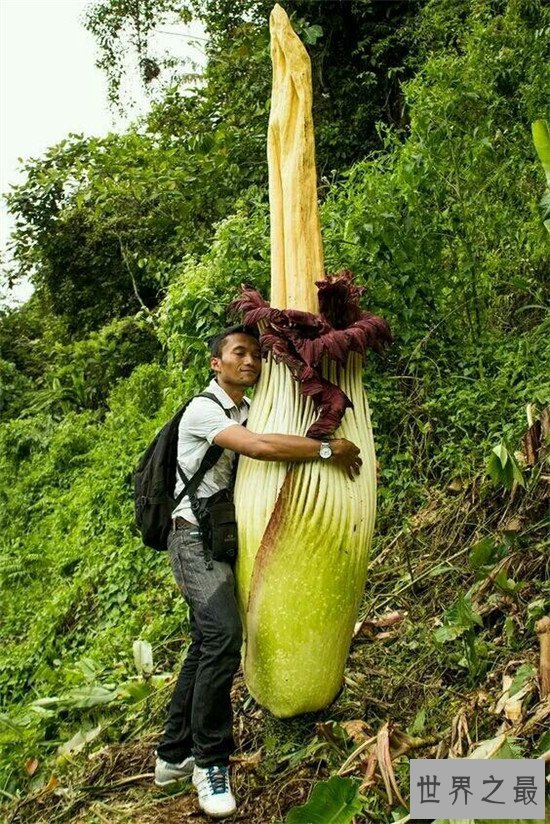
(287, 448)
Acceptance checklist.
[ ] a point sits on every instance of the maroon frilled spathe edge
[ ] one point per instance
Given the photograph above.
(301, 339)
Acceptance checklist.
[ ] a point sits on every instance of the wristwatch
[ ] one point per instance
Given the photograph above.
(325, 450)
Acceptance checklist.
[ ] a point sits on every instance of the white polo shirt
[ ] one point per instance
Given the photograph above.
(200, 423)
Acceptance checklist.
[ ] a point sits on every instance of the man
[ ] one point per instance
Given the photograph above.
(198, 734)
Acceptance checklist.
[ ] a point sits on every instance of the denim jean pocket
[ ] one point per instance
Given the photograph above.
(176, 562)
(194, 554)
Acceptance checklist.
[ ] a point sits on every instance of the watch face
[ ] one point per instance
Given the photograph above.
(325, 451)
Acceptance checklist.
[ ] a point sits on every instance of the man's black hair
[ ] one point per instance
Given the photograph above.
(216, 343)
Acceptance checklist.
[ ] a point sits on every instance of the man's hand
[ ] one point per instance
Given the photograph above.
(346, 455)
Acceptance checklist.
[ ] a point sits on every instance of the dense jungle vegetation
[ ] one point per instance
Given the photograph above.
(135, 243)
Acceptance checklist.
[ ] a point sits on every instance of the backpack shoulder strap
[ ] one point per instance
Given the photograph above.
(210, 459)
(213, 398)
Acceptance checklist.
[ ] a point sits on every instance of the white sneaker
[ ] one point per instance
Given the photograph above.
(215, 796)
(166, 773)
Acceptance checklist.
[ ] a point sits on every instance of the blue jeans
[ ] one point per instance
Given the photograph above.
(200, 716)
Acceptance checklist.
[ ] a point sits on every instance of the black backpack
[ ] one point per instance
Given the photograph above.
(155, 479)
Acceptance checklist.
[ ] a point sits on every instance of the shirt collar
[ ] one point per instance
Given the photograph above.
(223, 397)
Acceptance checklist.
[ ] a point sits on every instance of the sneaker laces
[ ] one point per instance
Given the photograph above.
(218, 779)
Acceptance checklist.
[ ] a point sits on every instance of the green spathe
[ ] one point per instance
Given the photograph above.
(304, 538)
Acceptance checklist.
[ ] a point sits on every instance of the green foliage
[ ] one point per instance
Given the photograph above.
(524, 674)
(14, 389)
(541, 139)
(438, 217)
(122, 23)
(79, 374)
(196, 305)
(82, 373)
(432, 225)
(334, 801)
(99, 222)
(459, 621)
(544, 743)
(78, 585)
(485, 554)
(359, 57)
(503, 467)
(27, 335)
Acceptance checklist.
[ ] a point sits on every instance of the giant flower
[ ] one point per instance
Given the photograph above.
(305, 529)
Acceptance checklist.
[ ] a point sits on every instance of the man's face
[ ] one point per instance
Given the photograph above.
(240, 362)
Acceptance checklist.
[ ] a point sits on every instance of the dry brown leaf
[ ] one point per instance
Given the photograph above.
(428, 516)
(389, 619)
(532, 443)
(358, 730)
(368, 626)
(363, 630)
(370, 770)
(482, 698)
(513, 525)
(512, 707)
(459, 732)
(31, 766)
(383, 755)
(456, 485)
(52, 784)
(540, 714)
(489, 749)
(542, 628)
(248, 762)
(501, 703)
(400, 742)
(361, 748)
(385, 764)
